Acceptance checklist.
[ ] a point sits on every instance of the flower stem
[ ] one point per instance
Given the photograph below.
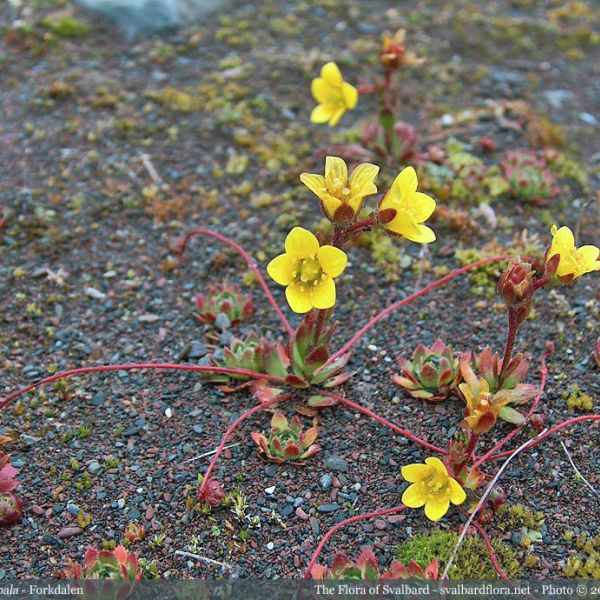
(428, 288)
(469, 450)
(249, 261)
(337, 526)
(510, 341)
(230, 431)
(384, 421)
(323, 317)
(138, 366)
(547, 433)
(541, 282)
(488, 545)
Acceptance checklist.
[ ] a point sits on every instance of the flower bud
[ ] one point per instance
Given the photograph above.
(485, 516)
(516, 285)
(537, 422)
(497, 498)
(393, 54)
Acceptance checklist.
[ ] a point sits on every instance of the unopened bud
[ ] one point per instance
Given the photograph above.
(516, 285)
(537, 422)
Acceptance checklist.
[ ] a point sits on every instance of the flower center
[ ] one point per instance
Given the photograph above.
(436, 483)
(308, 272)
(340, 189)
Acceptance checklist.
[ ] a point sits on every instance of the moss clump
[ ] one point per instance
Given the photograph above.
(386, 254)
(66, 26)
(578, 400)
(472, 560)
(517, 516)
(586, 563)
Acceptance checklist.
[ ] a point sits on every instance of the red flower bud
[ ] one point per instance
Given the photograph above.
(497, 497)
(537, 422)
(516, 287)
(486, 515)
(487, 144)
(212, 493)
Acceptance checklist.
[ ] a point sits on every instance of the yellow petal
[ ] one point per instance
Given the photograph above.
(323, 295)
(320, 89)
(436, 508)
(280, 269)
(426, 235)
(322, 113)
(301, 243)
(331, 74)
(405, 184)
(415, 472)
(298, 299)
(402, 224)
(589, 255)
(337, 116)
(315, 183)
(336, 174)
(350, 94)
(330, 205)
(563, 236)
(362, 180)
(332, 260)
(457, 494)
(421, 206)
(436, 464)
(413, 497)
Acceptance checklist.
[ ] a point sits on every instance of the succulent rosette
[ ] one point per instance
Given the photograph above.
(287, 441)
(528, 176)
(223, 299)
(11, 506)
(431, 374)
(255, 354)
(366, 568)
(118, 565)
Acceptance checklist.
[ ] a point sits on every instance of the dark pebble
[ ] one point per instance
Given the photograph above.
(314, 524)
(271, 470)
(197, 350)
(134, 514)
(98, 399)
(327, 508)
(336, 463)
(326, 481)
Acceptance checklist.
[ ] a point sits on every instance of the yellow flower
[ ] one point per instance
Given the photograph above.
(393, 53)
(307, 270)
(334, 95)
(572, 262)
(482, 411)
(412, 209)
(335, 189)
(431, 487)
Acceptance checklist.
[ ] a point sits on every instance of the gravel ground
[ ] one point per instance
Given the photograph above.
(89, 278)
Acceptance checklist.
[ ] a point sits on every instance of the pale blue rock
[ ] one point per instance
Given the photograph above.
(139, 16)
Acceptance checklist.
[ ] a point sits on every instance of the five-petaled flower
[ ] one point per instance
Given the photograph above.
(342, 198)
(431, 487)
(334, 95)
(307, 270)
(411, 208)
(564, 261)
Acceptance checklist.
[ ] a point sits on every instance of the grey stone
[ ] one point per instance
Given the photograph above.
(327, 508)
(336, 463)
